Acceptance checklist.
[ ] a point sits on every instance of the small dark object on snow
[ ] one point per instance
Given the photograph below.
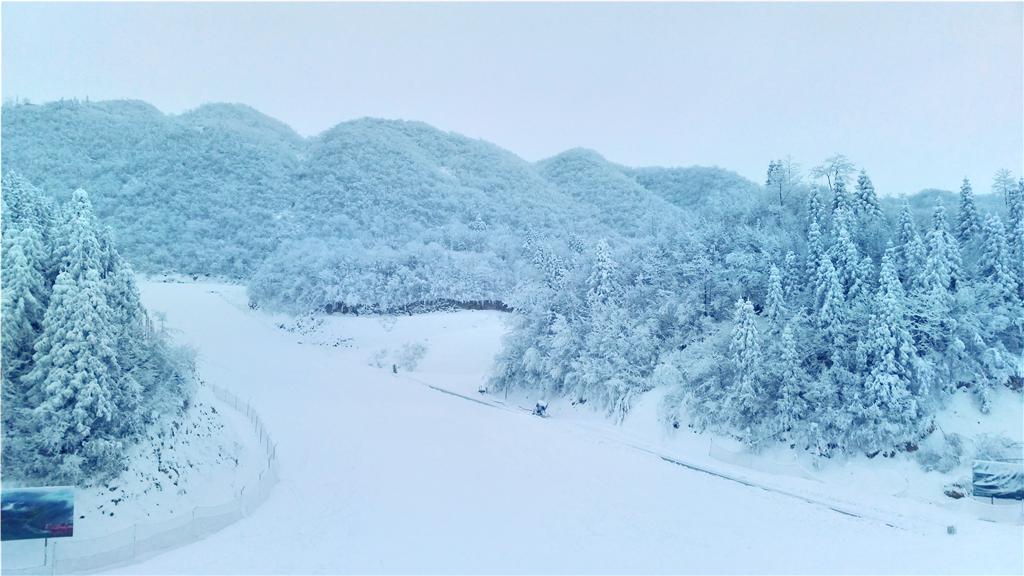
(541, 409)
(950, 529)
(482, 389)
(394, 368)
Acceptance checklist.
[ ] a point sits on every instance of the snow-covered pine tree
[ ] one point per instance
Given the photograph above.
(866, 199)
(791, 405)
(775, 180)
(968, 224)
(744, 399)
(792, 277)
(24, 204)
(933, 293)
(603, 284)
(81, 426)
(78, 245)
(605, 370)
(943, 266)
(814, 207)
(840, 196)
(994, 265)
(1015, 234)
(84, 405)
(775, 300)
(831, 312)
(859, 297)
(1015, 203)
(815, 249)
(1015, 244)
(864, 283)
(846, 258)
(24, 297)
(884, 412)
(910, 250)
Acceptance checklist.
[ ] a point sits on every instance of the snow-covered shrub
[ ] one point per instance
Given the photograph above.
(940, 452)
(409, 356)
(379, 358)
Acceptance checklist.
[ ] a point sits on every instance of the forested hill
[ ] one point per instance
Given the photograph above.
(224, 189)
(811, 310)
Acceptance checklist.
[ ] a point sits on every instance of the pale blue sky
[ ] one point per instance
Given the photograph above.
(920, 94)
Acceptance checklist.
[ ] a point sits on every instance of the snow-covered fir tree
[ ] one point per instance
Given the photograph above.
(968, 224)
(866, 199)
(775, 300)
(744, 398)
(884, 411)
(792, 408)
(76, 380)
(994, 264)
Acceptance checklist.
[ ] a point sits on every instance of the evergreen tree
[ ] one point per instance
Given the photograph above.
(864, 283)
(1015, 236)
(942, 267)
(831, 307)
(776, 181)
(605, 369)
(884, 411)
(910, 251)
(994, 265)
(603, 282)
(815, 249)
(24, 205)
(814, 209)
(846, 259)
(1015, 203)
(968, 225)
(792, 279)
(867, 200)
(840, 197)
(1015, 245)
(78, 246)
(24, 297)
(933, 293)
(774, 300)
(791, 405)
(744, 398)
(75, 378)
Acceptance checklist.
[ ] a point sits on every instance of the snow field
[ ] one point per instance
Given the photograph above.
(383, 474)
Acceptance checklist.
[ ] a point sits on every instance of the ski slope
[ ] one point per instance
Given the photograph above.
(383, 473)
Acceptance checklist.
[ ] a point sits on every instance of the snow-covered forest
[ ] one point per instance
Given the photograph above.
(809, 309)
(85, 371)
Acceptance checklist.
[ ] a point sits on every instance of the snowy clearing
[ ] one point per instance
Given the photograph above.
(380, 473)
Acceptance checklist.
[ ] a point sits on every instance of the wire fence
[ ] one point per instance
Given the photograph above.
(146, 539)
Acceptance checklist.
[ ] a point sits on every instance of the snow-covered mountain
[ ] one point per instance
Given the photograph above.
(219, 189)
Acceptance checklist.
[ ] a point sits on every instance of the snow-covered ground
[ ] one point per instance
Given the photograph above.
(385, 472)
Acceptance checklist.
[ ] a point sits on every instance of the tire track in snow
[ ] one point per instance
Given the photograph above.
(903, 524)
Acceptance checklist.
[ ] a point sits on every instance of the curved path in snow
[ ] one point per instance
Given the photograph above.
(382, 474)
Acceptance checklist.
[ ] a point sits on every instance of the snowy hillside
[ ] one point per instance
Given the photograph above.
(457, 481)
(243, 196)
